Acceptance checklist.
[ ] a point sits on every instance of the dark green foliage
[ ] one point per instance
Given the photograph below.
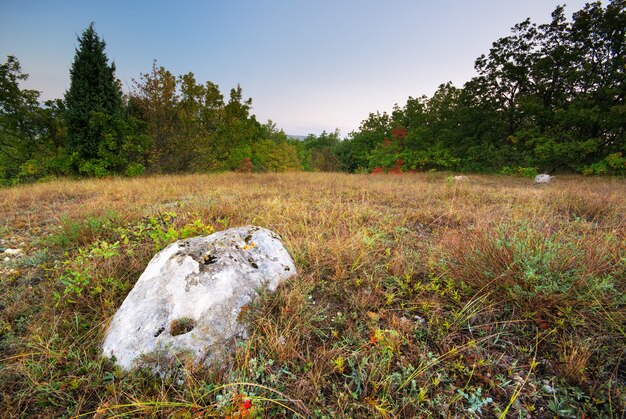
(355, 153)
(102, 135)
(34, 141)
(94, 94)
(320, 152)
(20, 119)
(121, 148)
(31, 137)
(549, 97)
(195, 130)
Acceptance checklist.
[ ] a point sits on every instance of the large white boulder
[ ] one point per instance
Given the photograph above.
(186, 303)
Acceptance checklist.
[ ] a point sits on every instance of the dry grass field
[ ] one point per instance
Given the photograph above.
(418, 296)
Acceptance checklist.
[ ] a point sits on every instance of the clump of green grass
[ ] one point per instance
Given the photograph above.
(492, 298)
(538, 271)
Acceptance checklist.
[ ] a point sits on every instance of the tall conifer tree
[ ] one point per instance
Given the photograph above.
(93, 89)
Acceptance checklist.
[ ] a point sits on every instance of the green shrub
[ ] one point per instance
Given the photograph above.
(613, 164)
(135, 169)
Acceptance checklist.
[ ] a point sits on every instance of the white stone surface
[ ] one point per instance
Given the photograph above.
(543, 178)
(460, 178)
(13, 252)
(204, 280)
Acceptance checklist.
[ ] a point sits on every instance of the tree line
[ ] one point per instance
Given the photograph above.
(547, 97)
(165, 124)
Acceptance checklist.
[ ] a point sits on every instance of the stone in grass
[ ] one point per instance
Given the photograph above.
(13, 252)
(185, 305)
(543, 178)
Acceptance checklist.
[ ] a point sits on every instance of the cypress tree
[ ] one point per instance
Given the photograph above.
(93, 89)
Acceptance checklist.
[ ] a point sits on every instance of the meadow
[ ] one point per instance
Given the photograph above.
(417, 296)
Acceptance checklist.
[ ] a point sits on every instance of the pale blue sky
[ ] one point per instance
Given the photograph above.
(308, 65)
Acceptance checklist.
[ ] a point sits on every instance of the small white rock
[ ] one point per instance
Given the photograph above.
(13, 252)
(543, 178)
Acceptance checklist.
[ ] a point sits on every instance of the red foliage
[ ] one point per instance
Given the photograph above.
(399, 132)
(397, 169)
(378, 170)
(246, 166)
(243, 406)
(386, 142)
